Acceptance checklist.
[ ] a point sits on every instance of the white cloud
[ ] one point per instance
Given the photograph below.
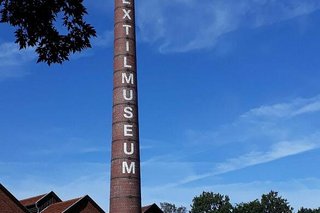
(11, 55)
(12, 72)
(265, 125)
(312, 107)
(11, 59)
(261, 135)
(277, 151)
(186, 25)
(294, 108)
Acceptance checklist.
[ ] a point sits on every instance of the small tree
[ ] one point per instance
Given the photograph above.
(304, 210)
(181, 209)
(171, 208)
(208, 202)
(272, 203)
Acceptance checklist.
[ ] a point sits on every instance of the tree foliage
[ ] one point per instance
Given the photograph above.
(250, 207)
(35, 24)
(171, 208)
(273, 203)
(305, 210)
(269, 203)
(208, 202)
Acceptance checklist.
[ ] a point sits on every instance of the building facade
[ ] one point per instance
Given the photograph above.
(46, 203)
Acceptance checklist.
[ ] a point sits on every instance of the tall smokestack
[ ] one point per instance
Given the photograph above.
(125, 187)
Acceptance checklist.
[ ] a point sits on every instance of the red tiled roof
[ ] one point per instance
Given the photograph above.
(31, 200)
(13, 198)
(145, 208)
(61, 206)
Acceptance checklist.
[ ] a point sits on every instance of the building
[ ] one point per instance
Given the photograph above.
(46, 203)
(9, 204)
(151, 209)
(51, 203)
(39, 203)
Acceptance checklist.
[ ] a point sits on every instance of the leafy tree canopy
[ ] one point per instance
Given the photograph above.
(208, 202)
(269, 203)
(35, 26)
(171, 208)
(272, 203)
(304, 210)
(251, 207)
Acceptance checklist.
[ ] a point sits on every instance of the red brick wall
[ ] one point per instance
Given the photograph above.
(7, 205)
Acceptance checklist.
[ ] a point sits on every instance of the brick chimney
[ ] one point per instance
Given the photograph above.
(125, 187)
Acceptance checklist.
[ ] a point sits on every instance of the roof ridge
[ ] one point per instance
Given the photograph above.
(42, 197)
(13, 198)
(79, 199)
(76, 200)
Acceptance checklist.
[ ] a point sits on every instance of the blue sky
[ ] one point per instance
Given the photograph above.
(229, 99)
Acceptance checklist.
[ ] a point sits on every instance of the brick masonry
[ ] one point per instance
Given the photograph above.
(125, 185)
